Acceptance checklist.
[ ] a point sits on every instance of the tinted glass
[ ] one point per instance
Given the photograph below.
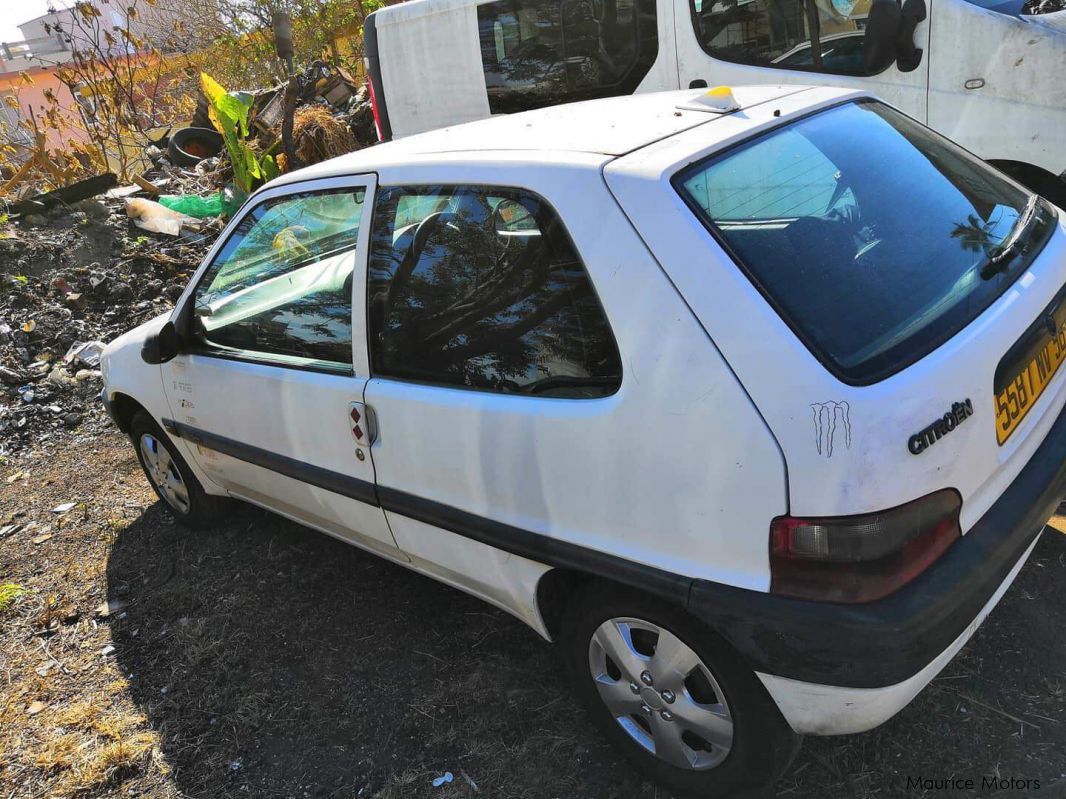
(1012, 8)
(481, 288)
(814, 35)
(282, 284)
(542, 52)
(824, 216)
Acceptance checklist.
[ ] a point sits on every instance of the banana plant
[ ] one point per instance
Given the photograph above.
(229, 113)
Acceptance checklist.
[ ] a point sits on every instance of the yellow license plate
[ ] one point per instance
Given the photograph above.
(1021, 393)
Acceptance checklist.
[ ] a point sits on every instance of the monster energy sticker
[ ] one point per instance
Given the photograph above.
(832, 426)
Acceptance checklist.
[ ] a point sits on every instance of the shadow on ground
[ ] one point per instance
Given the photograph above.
(274, 661)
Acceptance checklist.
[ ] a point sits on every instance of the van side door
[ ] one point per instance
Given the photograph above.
(268, 394)
(823, 42)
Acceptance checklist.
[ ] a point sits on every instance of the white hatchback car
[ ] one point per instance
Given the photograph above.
(753, 402)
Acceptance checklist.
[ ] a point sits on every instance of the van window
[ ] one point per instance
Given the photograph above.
(281, 286)
(813, 35)
(537, 53)
(483, 290)
(823, 216)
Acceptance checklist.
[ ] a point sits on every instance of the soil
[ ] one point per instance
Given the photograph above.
(77, 274)
(262, 659)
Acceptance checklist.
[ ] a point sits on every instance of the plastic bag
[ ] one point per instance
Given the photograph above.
(155, 218)
(224, 203)
(191, 205)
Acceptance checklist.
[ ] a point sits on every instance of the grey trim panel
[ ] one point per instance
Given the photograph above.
(535, 546)
(352, 487)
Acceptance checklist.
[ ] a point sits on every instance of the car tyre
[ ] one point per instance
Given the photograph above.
(171, 478)
(724, 737)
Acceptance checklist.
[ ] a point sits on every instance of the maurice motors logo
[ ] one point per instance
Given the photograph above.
(987, 782)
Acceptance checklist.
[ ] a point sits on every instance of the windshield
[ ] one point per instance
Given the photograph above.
(874, 238)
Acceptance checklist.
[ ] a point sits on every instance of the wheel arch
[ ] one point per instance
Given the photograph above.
(554, 590)
(122, 408)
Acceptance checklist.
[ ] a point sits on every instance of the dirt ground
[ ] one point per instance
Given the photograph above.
(261, 659)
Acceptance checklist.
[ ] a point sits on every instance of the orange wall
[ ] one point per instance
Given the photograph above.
(32, 98)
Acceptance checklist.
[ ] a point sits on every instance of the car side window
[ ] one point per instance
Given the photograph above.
(281, 287)
(537, 53)
(481, 288)
(813, 35)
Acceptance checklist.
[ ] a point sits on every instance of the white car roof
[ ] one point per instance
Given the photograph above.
(608, 128)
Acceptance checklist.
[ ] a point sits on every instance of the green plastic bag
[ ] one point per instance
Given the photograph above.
(222, 203)
(191, 205)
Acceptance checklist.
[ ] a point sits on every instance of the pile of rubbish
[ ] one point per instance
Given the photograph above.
(81, 264)
(71, 279)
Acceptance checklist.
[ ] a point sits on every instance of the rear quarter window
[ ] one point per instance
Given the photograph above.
(873, 237)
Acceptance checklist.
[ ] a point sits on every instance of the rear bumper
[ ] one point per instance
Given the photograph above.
(812, 709)
(886, 643)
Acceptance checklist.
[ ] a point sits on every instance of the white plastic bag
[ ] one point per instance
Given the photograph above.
(155, 218)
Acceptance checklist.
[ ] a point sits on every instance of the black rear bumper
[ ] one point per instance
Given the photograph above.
(885, 642)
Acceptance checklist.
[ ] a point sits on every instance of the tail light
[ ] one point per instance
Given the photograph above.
(861, 558)
(374, 108)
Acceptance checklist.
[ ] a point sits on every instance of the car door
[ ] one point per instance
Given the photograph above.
(739, 42)
(269, 394)
(490, 352)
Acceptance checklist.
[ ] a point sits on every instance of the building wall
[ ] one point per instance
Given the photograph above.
(32, 99)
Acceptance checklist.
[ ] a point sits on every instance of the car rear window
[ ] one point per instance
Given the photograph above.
(875, 238)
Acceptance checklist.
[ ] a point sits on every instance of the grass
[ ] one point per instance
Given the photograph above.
(9, 592)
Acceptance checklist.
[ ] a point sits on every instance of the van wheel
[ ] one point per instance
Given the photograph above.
(672, 695)
(171, 477)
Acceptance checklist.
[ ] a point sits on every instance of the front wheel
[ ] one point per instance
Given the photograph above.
(171, 477)
(672, 695)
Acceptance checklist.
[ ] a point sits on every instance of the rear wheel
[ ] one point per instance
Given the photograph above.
(171, 477)
(672, 695)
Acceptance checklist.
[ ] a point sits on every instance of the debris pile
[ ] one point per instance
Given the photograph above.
(72, 278)
(81, 264)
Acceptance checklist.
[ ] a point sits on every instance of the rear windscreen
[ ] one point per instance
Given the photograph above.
(875, 238)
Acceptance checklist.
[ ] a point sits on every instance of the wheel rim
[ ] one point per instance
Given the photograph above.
(164, 474)
(661, 693)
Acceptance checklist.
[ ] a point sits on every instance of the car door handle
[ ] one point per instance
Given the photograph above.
(363, 423)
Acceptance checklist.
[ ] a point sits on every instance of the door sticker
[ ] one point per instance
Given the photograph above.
(832, 426)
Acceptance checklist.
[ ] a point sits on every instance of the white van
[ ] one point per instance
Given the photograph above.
(757, 414)
(980, 75)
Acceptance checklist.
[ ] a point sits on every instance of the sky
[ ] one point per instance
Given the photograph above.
(12, 12)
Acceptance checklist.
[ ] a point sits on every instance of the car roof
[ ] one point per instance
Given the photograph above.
(609, 127)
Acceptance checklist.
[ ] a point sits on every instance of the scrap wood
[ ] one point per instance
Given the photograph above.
(147, 185)
(40, 159)
(75, 192)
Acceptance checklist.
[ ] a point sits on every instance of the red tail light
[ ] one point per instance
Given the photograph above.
(861, 558)
(374, 108)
